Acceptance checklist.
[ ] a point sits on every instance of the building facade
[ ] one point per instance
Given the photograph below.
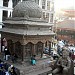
(48, 9)
(5, 9)
(66, 30)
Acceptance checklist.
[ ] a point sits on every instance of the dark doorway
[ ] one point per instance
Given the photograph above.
(5, 15)
(39, 50)
(18, 49)
(10, 46)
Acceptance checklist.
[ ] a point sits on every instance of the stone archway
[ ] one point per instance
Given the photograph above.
(29, 49)
(10, 46)
(18, 49)
(39, 50)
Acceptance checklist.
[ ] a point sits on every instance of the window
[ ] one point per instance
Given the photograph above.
(47, 16)
(51, 18)
(51, 6)
(48, 5)
(43, 4)
(43, 15)
(37, 1)
(5, 14)
(15, 2)
(50, 28)
(5, 3)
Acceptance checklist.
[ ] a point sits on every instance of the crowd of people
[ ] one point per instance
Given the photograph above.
(6, 52)
(6, 69)
(64, 64)
(63, 61)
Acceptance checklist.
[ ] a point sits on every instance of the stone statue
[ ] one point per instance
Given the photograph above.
(63, 64)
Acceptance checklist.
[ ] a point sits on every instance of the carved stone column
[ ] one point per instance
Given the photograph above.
(44, 45)
(14, 47)
(23, 52)
(34, 50)
(49, 47)
(42, 50)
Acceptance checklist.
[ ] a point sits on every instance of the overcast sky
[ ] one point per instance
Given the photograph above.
(60, 4)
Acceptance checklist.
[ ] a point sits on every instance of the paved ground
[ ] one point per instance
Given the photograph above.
(41, 66)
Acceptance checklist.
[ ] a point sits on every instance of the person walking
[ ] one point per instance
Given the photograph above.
(33, 60)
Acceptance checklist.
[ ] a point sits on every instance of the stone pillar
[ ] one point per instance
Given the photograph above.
(14, 46)
(42, 50)
(44, 45)
(49, 47)
(23, 52)
(34, 49)
(51, 44)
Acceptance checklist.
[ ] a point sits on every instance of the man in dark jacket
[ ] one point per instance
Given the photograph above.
(7, 53)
